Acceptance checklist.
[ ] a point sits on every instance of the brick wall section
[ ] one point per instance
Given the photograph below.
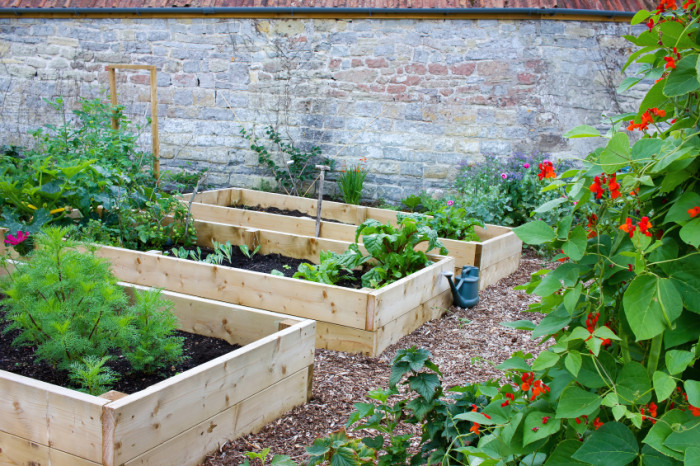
(415, 97)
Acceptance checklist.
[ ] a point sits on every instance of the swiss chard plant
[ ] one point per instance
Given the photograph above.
(392, 248)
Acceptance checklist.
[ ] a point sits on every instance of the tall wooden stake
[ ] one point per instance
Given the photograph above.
(321, 177)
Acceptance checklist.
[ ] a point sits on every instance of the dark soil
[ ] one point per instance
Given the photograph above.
(266, 263)
(289, 213)
(198, 349)
(256, 263)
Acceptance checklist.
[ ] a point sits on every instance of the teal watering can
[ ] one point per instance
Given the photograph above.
(465, 293)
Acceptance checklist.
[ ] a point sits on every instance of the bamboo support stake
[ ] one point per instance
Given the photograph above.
(321, 177)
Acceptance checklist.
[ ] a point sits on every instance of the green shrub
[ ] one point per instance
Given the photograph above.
(68, 307)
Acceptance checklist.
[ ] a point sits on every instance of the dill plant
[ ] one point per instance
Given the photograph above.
(69, 309)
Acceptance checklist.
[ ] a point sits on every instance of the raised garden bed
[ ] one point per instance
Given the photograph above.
(497, 254)
(176, 421)
(353, 320)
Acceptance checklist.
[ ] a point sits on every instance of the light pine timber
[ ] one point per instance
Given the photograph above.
(497, 243)
(19, 451)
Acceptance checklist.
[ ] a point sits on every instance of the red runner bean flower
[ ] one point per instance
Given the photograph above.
(694, 211)
(597, 423)
(614, 187)
(596, 187)
(627, 227)
(644, 225)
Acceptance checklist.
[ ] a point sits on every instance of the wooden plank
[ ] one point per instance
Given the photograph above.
(250, 415)
(154, 121)
(164, 410)
(395, 299)
(49, 415)
(495, 272)
(263, 291)
(231, 322)
(20, 451)
(501, 247)
(406, 323)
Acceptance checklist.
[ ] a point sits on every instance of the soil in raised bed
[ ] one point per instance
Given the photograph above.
(198, 349)
(287, 212)
(266, 263)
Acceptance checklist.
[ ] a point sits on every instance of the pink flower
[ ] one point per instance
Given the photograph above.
(526, 165)
(450, 203)
(20, 237)
(504, 176)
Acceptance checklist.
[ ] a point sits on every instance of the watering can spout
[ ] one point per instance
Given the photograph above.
(465, 292)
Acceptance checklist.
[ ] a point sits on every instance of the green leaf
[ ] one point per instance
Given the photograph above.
(344, 456)
(639, 17)
(564, 226)
(571, 298)
(536, 232)
(611, 399)
(692, 456)
(545, 360)
(282, 460)
(519, 324)
(424, 384)
(616, 154)
(655, 458)
(690, 233)
(677, 361)
(663, 385)
(612, 444)
(552, 323)
(686, 275)
(562, 454)
(549, 284)
(645, 149)
(692, 389)
(575, 246)
(643, 308)
(633, 384)
(515, 362)
(668, 423)
(686, 436)
(474, 416)
(575, 402)
(535, 429)
(582, 131)
(573, 362)
(549, 205)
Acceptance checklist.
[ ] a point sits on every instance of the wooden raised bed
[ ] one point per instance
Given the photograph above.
(179, 420)
(497, 254)
(353, 320)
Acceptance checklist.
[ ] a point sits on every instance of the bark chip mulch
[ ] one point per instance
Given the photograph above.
(342, 379)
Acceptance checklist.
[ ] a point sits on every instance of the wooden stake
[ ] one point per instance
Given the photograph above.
(323, 169)
(154, 107)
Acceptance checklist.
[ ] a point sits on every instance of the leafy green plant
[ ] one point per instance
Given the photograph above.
(392, 248)
(91, 375)
(339, 448)
(247, 252)
(277, 460)
(332, 267)
(350, 182)
(413, 203)
(453, 222)
(289, 165)
(67, 306)
(74, 165)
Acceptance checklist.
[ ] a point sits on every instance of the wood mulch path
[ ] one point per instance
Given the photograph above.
(464, 343)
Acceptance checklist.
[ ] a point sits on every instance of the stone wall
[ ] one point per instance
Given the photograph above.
(415, 97)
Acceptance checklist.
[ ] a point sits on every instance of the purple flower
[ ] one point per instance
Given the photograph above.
(526, 165)
(17, 239)
(450, 203)
(504, 176)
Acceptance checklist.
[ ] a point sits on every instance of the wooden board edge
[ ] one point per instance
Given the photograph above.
(191, 446)
(499, 270)
(18, 450)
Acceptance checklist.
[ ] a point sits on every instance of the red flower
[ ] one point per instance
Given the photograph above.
(545, 419)
(614, 187)
(527, 380)
(597, 423)
(596, 187)
(650, 24)
(690, 4)
(627, 227)
(644, 225)
(694, 211)
(475, 429)
(666, 5)
(546, 170)
(563, 259)
(695, 411)
(510, 397)
(538, 388)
